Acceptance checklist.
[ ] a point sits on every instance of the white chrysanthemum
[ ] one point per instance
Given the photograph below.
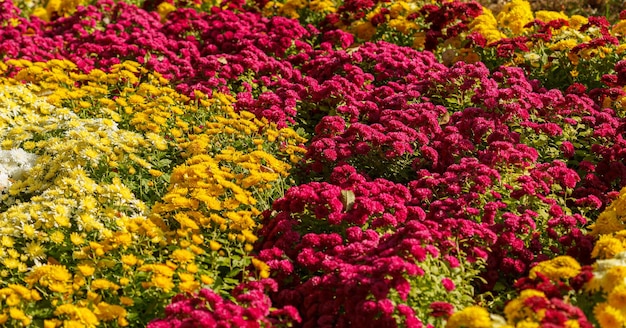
(4, 180)
(23, 158)
(603, 266)
(15, 162)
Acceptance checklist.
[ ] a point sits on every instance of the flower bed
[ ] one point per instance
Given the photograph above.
(310, 163)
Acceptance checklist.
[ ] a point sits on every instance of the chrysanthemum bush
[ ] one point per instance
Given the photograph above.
(561, 293)
(418, 24)
(157, 170)
(353, 251)
(74, 232)
(551, 46)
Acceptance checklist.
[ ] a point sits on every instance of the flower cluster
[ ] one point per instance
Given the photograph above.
(207, 309)
(534, 308)
(478, 141)
(161, 149)
(362, 254)
(419, 24)
(56, 8)
(551, 46)
(545, 298)
(472, 316)
(560, 292)
(13, 164)
(72, 224)
(189, 48)
(610, 268)
(59, 226)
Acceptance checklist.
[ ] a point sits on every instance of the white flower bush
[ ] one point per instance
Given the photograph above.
(14, 164)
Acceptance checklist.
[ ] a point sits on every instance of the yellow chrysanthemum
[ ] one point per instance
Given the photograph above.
(108, 312)
(607, 222)
(164, 8)
(402, 25)
(470, 317)
(215, 246)
(528, 324)
(577, 21)
(17, 314)
(55, 277)
(608, 316)
(617, 297)
(487, 25)
(614, 277)
(572, 324)
(516, 311)
(182, 256)
(291, 7)
(57, 237)
(547, 16)
(81, 315)
(163, 282)
(322, 6)
(564, 45)
(61, 7)
(515, 15)
(561, 267)
(607, 247)
(104, 284)
(42, 13)
(365, 30)
(87, 270)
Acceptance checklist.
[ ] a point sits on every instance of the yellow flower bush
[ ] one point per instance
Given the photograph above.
(57, 8)
(560, 267)
(559, 54)
(517, 312)
(612, 219)
(397, 26)
(609, 245)
(294, 8)
(609, 270)
(164, 8)
(515, 15)
(539, 300)
(470, 317)
(487, 25)
(608, 316)
(395, 23)
(60, 228)
(288, 9)
(78, 246)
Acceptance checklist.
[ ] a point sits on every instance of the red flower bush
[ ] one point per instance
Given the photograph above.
(208, 309)
(351, 251)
